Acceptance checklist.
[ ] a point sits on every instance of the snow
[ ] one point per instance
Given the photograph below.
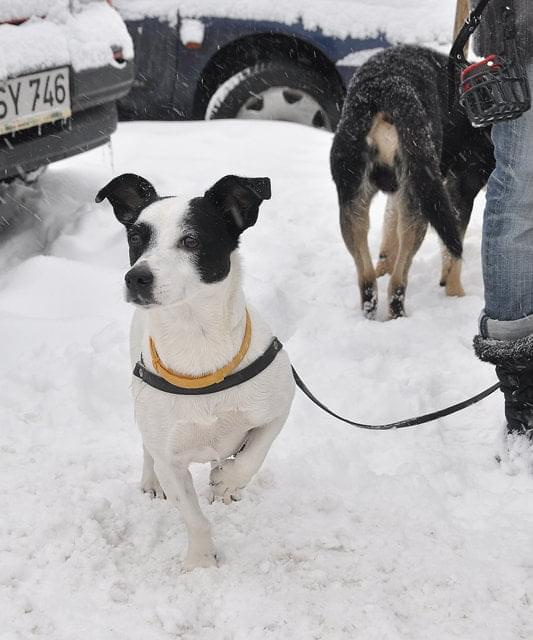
(54, 36)
(192, 31)
(344, 533)
(406, 21)
(17, 9)
(357, 58)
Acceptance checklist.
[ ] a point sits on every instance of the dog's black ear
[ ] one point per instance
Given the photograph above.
(239, 199)
(129, 195)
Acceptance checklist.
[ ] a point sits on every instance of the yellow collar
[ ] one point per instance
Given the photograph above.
(198, 382)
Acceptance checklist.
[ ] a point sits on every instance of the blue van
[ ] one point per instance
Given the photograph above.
(219, 67)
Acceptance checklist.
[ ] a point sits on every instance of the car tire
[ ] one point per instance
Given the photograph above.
(278, 91)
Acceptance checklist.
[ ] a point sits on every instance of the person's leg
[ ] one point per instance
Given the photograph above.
(506, 324)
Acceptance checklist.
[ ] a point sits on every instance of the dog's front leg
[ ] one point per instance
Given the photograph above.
(149, 482)
(176, 481)
(234, 474)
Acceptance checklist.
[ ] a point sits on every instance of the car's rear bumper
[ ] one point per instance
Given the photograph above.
(96, 86)
(85, 130)
(94, 118)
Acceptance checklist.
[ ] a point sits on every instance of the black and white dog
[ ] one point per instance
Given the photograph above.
(396, 135)
(192, 320)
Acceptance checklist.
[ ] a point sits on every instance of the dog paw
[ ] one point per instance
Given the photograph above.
(225, 483)
(396, 302)
(196, 560)
(224, 494)
(455, 289)
(152, 487)
(369, 301)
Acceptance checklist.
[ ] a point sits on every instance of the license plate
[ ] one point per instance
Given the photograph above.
(35, 99)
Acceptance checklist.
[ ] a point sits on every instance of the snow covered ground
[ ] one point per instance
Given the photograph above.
(344, 534)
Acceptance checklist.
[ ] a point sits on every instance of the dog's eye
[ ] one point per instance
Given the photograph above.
(188, 242)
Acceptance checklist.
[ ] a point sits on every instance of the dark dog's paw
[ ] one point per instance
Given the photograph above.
(369, 301)
(396, 308)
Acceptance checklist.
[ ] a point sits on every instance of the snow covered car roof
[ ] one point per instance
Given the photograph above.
(43, 34)
(429, 21)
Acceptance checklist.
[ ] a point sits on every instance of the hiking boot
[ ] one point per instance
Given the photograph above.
(514, 368)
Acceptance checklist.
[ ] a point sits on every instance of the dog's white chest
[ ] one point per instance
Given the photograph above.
(188, 428)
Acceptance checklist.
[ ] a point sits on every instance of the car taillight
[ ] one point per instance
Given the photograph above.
(118, 54)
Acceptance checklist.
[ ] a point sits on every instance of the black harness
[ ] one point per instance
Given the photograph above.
(232, 380)
(259, 365)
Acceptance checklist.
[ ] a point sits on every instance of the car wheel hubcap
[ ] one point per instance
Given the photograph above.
(285, 103)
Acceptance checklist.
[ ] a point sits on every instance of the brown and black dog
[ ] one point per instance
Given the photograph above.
(397, 135)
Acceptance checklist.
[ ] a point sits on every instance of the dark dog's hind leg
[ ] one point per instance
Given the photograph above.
(462, 199)
(354, 220)
(451, 274)
(412, 228)
(464, 181)
(349, 166)
(389, 242)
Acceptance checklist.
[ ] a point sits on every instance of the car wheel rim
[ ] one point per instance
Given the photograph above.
(285, 103)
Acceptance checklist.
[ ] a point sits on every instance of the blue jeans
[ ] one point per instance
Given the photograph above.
(507, 247)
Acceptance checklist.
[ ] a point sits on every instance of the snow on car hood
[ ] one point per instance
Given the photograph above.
(399, 20)
(54, 35)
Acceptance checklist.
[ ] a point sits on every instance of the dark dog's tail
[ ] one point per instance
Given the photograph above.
(419, 162)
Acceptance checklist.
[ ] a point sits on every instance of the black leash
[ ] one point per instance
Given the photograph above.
(468, 28)
(408, 422)
(456, 58)
(261, 363)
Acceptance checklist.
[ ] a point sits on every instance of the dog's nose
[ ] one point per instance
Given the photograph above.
(139, 279)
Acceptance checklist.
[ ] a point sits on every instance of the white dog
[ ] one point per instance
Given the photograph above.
(192, 327)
